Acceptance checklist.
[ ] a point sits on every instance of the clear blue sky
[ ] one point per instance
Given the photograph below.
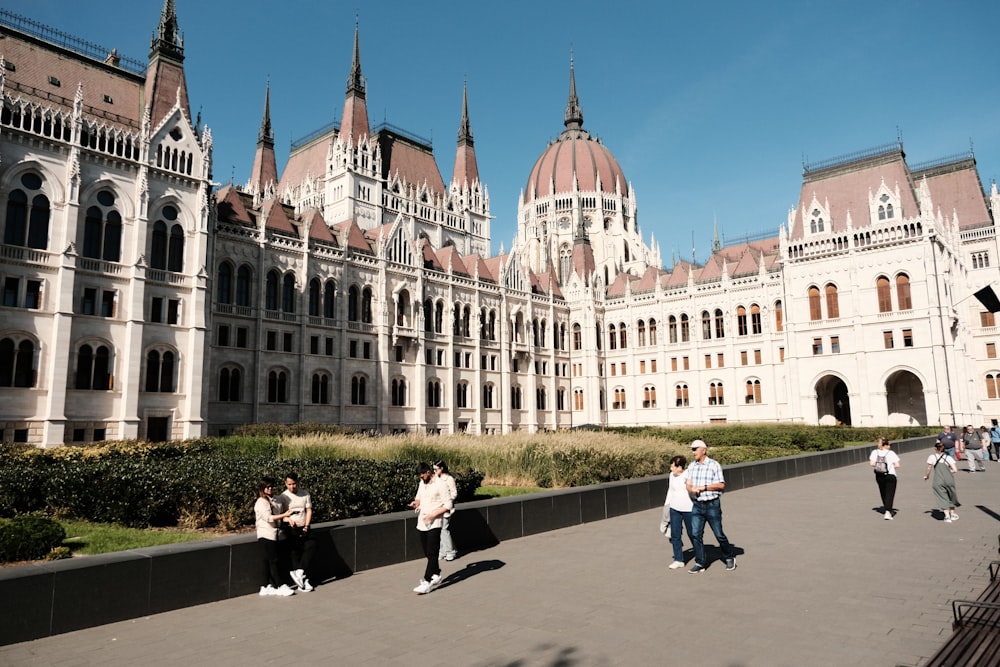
(710, 107)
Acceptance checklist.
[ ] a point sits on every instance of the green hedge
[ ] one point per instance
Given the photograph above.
(794, 436)
(194, 486)
(29, 537)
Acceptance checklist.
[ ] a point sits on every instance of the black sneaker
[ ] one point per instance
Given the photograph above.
(730, 564)
(696, 569)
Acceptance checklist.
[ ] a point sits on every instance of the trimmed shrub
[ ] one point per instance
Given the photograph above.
(29, 537)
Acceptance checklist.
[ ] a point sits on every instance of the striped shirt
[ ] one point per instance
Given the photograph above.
(701, 474)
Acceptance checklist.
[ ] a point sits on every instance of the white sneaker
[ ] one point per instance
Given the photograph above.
(434, 582)
(306, 586)
(422, 587)
(676, 565)
(947, 519)
(888, 516)
(283, 591)
(268, 590)
(450, 557)
(954, 517)
(297, 576)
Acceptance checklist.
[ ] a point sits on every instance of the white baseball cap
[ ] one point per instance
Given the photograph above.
(697, 444)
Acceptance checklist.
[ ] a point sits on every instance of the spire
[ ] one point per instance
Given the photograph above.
(716, 244)
(266, 134)
(167, 42)
(166, 85)
(354, 122)
(466, 168)
(573, 118)
(264, 172)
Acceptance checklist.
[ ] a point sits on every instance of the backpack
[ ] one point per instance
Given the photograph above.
(881, 466)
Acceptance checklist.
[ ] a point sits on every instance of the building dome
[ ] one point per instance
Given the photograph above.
(574, 154)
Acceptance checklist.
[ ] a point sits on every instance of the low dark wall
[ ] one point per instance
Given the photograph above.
(55, 597)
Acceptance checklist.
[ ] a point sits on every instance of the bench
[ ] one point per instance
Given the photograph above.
(975, 641)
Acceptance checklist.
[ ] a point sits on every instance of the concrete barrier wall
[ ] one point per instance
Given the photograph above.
(50, 598)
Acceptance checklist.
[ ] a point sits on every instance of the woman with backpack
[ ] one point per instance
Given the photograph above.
(885, 461)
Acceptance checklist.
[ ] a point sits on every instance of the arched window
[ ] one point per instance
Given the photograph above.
(244, 286)
(160, 371)
(578, 399)
(366, 305)
(685, 329)
(755, 323)
(271, 290)
(882, 289)
(683, 399)
(622, 336)
(224, 283)
(353, 303)
(741, 321)
(467, 322)
(649, 396)
(618, 403)
(229, 385)
(428, 316)
(314, 298)
(903, 292)
(540, 398)
(434, 394)
(487, 398)
(102, 229)
(815, 307)
(515, 397)
(672, 329)
(720, 324)
(640, 332)
(888, 211)
(28, 225)
(167, 244)
(577, 337)
(832, 302)
(706, 325)
(753, 392)
(600, 335)
(652, 332)
(277, 387)
(359, 390)
(565, 263)
(779, 322)
(715, 394)
(329, 299)
(288, 293)
(439, 317)
(462, 395)
(398, 392)
(881, 212)
(320, 388)
(612, 337)
(17, 363)
(992, 385)
(93, 367)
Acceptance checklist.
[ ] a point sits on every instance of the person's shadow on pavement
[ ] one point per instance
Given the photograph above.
(471, 570)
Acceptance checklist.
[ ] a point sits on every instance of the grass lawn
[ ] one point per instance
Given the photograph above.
(85, 538)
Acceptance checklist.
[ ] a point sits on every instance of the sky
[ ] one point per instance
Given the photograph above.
(711, 108)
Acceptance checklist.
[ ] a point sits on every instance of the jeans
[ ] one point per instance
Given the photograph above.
(447, 545)
(950, 451)
(678, 519)
(996, 451)
(430, 540)
(709, 511)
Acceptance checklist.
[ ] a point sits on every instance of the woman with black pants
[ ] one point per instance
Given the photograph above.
(885, 461)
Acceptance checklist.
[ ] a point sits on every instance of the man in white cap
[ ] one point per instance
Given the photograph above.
(705, 484)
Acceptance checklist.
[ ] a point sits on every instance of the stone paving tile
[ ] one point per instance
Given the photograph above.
(822, 580)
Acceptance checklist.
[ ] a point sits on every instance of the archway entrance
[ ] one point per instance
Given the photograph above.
(833, 405)
(904, 396)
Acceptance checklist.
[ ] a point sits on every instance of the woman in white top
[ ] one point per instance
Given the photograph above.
(265, 511)
(447, 550)
(943, 468)
(885, 461)
(677, 509)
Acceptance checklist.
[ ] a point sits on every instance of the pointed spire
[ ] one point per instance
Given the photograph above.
(354, 121)
(264, 172)
(466, 168)
(168, 42)
(716, 244)
(573, 118)
(266, 134)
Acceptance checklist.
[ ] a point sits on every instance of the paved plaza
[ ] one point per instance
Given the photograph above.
(823, 579)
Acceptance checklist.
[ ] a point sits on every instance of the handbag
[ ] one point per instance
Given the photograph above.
(667, 533)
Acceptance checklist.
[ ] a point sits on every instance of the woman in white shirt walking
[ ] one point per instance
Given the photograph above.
(885, 461)
(677, 509)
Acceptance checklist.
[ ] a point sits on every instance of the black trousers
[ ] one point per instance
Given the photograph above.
(887, 489)
(430, 540)
(301, 547)
(270, 572)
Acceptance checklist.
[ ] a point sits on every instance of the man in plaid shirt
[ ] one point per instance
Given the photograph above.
(705, 484)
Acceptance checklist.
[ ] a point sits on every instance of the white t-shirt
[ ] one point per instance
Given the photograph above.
(891, 458)
(945, 459)
(298, 502)
(677, 496)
